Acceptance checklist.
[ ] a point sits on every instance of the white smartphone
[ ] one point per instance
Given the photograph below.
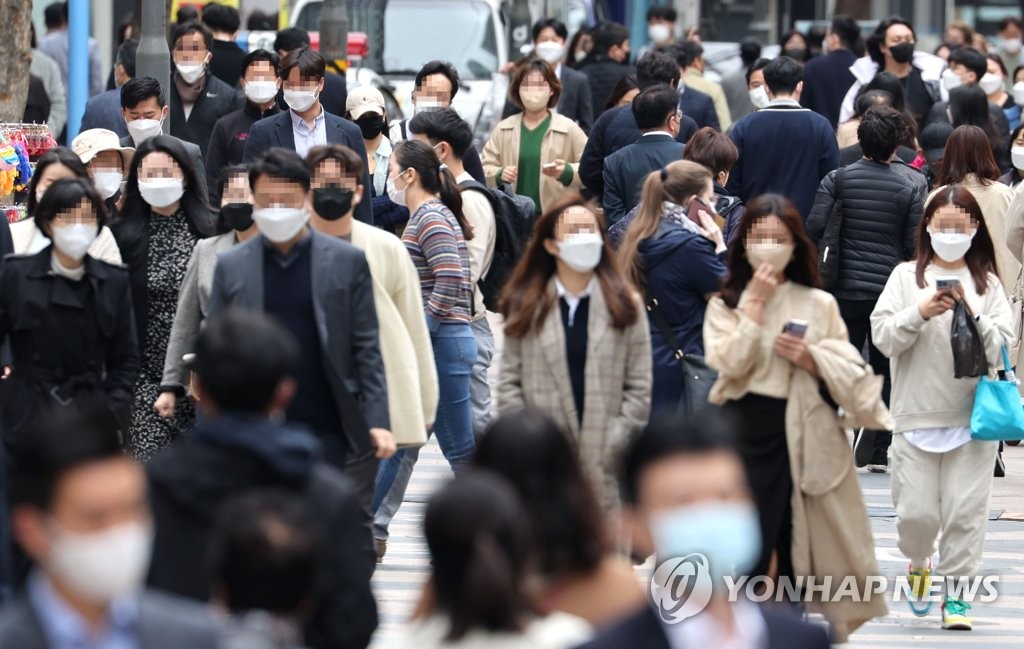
(549, 165)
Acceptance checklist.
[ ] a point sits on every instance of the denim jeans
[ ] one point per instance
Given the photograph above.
(479, 386)
(454, 357)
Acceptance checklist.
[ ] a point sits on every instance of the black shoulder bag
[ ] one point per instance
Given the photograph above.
(697, 376)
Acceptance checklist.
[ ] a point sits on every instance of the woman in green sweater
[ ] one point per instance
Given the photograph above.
(536, 151)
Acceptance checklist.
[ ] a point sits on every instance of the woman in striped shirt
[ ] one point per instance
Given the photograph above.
(436, 239)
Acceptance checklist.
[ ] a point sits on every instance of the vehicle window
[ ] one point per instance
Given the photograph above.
(417, 31)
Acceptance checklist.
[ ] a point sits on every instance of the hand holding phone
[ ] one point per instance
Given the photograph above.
(795, 328)
(549, 165)
(947, 284)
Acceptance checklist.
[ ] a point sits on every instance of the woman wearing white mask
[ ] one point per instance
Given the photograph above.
(537, 151)
(785, 367)
(941, 478)
(236, 225)
(162, 219)
(675, 252)
(436, 240)
(67, 316)
(994, 85)
(1013, 177)
(108, 162)
(52, 166)
(577, 345)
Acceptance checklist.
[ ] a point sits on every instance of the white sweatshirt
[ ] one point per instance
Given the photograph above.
(924, 392)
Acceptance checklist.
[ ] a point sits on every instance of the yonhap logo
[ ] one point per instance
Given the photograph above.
(681, 587)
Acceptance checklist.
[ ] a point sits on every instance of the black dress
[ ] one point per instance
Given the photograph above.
(70, 340)
(169, 248)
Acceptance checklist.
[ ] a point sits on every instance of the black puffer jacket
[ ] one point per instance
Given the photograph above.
(882, 206)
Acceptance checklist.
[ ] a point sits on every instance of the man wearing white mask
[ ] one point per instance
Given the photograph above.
(969, 67)
(145, 109)
(199, 99)
(549, 39)
(686, 496)
(319, 287)
(80, 511)
(436, 85)
(227, 144)
(1011, 31)
(661, 29)
(306, 124)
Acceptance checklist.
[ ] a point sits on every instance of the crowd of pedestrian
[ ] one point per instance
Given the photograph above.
(240, 305)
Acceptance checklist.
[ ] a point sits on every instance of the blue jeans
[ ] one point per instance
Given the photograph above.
(454, 357)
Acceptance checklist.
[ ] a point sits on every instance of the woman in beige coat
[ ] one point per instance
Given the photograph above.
(537, 151)
(577, 346)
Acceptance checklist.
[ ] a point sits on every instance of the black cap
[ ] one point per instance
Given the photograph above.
(933, 140)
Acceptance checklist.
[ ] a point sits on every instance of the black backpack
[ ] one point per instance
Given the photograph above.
(514, 216)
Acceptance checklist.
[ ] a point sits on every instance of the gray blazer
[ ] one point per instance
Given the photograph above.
(346, 321)
(193, 298)
(165, 622)
(193, 152)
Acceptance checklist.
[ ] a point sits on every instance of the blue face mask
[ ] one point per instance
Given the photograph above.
(727, 533)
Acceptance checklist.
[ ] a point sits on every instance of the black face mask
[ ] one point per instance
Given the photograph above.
(371, 126)
(332, 202)
(796, 53)
(902, 53)
(237, 216)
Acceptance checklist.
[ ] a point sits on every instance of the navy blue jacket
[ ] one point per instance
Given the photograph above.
(277, 131)
(614, 129)
(700, 107)
(626, 170)
(784, 149)
(104, 111)
(826, 82)
(681, 268)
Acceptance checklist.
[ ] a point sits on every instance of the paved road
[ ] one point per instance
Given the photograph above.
(399, 579)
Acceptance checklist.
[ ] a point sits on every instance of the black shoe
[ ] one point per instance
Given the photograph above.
(863, 447)
(1000, 470)
(879, 462)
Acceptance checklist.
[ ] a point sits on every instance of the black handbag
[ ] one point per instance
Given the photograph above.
(828, 256)
(697, 376)
(969, 357)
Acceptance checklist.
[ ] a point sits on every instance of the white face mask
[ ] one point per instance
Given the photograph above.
(107, 182)
(991, 83)
(776, 255)
(102, 566)
(659, 33)
(581, 252)
(1017, 157)
(190, 73)
(396, 195)
(161, 192)
(1018, 93)
(580, 55)
(759, 97)
(426, 104)
(951, 246)
(280, 224)
(74, 240)
(260, 92)
(143, 129)
(1011, 45)
(550, 51)
(951, 80)
(300, 100)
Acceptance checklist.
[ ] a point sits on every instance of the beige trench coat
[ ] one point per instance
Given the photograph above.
(534, 372)
(404, 340)
(564, 140)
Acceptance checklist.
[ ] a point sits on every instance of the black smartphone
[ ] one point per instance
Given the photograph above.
(797, 328)
(947, 284)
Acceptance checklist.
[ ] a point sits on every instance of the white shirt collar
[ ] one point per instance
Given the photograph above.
(573, 301)
(784, 101)
(658, 133)
(749, 630)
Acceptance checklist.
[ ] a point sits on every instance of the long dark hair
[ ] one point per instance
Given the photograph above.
(480, 549)
(542, 463)
(980, 257)
(65, 194)
(802, 269)
(968, 152)
(413, 154)
(136, 211)
(59, 155)
(969, 105)
(525, 301)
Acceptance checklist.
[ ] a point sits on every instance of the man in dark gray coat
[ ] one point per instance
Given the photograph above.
(320, 289)
(882, 205)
